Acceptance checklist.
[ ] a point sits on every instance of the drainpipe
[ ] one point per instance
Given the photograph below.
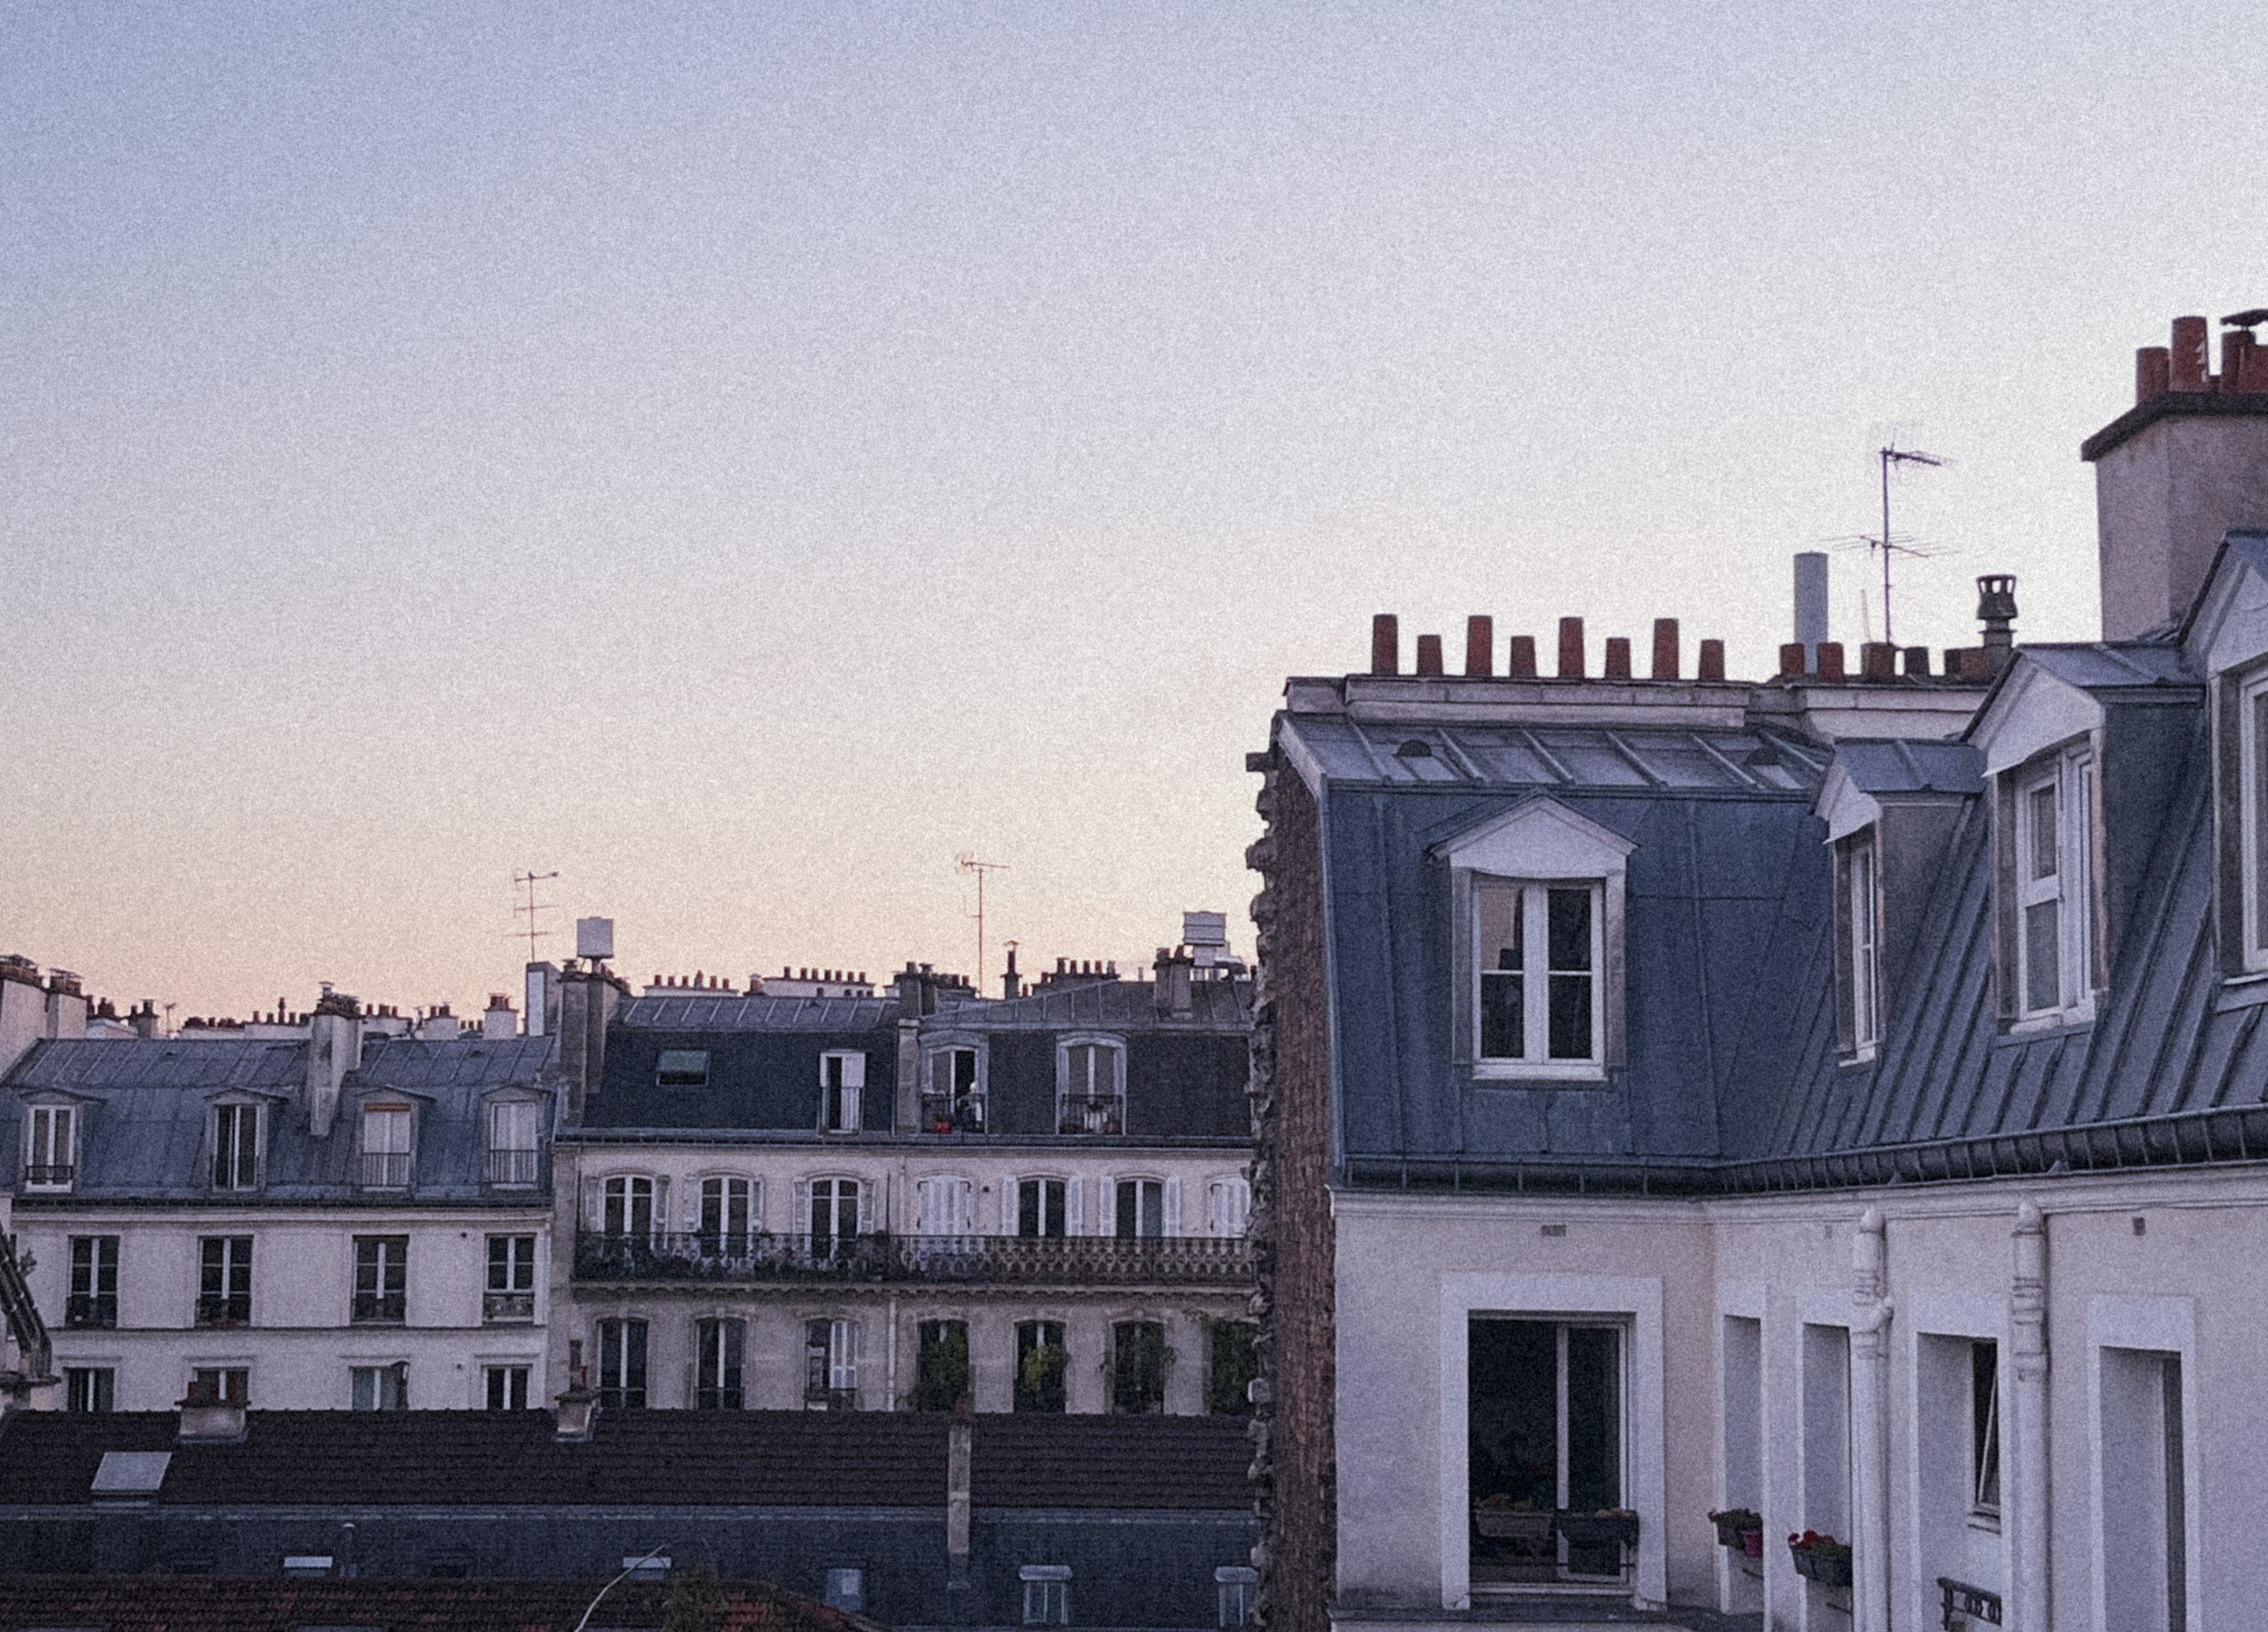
(1870, 1426)
(2027, 1342)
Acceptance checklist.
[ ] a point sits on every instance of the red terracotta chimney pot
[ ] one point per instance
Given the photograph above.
(1520, 665)
(1791, 658)
(2153, 373)
(1830, 660)
(1386, 644)
(1429, 654)
(1618, 657)
(1713, 660)
(2189, 354)
(1665, 649)
(1480, 647)
(1570, 648)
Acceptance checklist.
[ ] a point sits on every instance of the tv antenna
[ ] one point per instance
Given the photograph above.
(531, 906)
(1893, 454)
(969, 863)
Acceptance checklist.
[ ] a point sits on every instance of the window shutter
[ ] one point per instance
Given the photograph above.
(1010, 1188)
(756, 1205)
(661, 1203)
(1074, 1213)
(1173, 1207)
(1106, 1205)
(692, 1205)
(854, 1071)
(964, 1207)
(800, 1224)
(865, 1208)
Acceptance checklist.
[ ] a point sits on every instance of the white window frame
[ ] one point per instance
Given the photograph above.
(842, 1360)
(1858, 919)
(516, 1377)
(398, 1120)
(935, 1054)
(717, 1195)
(1536, 976)
(1047, 1594)
(630, 1193)
(376, 1375)
(239, 1180)
(615, 1358)
(503, 1141)
(58, 1149)
(845, 1118)
(1539, 844)
(1114, 1048)
(1167, 1194)
(1011, 1205)
(861, 1198)
(2069, 779)
(2252, 804)
(1237, 1586)
(718, 1340)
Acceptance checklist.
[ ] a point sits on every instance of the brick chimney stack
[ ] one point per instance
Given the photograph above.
(2187, 463)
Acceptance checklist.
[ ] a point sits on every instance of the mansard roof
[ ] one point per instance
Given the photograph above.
(1108, 1005)
(144, 1134)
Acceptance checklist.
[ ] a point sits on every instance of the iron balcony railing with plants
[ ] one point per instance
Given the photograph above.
(507, 1308)
(980, 1259)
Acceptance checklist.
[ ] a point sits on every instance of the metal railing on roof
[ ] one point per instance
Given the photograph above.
(981, 1260)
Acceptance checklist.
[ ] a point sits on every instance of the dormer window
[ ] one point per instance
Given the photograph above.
(1091, 1086)
(842, 1080)
(1536, 899)
(50, 1147)
(952, 1091)
(2046, 873)
(236, 1147)
(1859, 943)
(2252, 802)
(515, 1132)
(386, 1155)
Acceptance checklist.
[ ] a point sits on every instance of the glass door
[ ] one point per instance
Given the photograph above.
(1545, 1457)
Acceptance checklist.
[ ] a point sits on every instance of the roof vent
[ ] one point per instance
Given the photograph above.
(131, 1473)
(1415, 748)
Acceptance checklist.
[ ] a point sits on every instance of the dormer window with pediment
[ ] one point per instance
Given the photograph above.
(50, 1147)
(1859, 942)
(1537, 899)
(234, 1143)
(386, 1156)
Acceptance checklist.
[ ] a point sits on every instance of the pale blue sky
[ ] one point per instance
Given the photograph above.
(743, 456)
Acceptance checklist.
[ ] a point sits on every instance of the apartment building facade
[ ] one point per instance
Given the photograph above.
(1787, 1148)
(328, 1221)
(919, 1200)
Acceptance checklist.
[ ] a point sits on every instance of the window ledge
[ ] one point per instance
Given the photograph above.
(2243, 991)
(1984, 1524)
(1525, 1073)
(2033, 1027)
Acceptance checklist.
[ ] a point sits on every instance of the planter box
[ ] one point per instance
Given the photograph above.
(1730, 1531)
(1829, 1570)
(1501, 1524)
(1752, 1543)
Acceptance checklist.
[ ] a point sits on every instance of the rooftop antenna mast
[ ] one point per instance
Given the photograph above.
(1893, 454)
(531, 906)
(969, 863)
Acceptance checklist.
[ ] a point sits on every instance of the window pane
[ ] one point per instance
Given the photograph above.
(2042, 987)
(682, 1067)
(1570, 915)
(2260, 815)
(1570, 1017)
(1503, 1007)
(1985, 1424)
(2042, 802)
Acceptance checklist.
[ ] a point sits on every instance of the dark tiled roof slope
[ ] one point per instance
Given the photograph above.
(210, 1604)
(658, 1458)
(143, 1135)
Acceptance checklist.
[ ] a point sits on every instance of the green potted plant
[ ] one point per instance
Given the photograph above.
(1608, 1527)
(1734, 1523)
(1819, 1557)
(1500, 1518)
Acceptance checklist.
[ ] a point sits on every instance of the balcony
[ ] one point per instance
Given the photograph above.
(508, 1308)
(970, 1260)
(225, 1309)
(380, 1308)
(512, 1167)
(952, 1113)
(85, 1310)
(49, 1175)
(1078, 1114)
(386, 1170)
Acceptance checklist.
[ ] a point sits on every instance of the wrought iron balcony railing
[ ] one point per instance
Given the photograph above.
(507, 1308)
(380, 1308)
(49, 1175)
(91, 1308)
(225, 1309)
(386, 1170)
(982, 1259)
(508, 1166)
(951, 1113)
(1102, 1113)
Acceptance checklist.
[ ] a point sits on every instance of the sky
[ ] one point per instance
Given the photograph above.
(743, 459)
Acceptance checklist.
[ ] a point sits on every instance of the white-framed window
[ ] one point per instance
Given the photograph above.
(1985, 1426)
(507, 1387)
(2052, 891)
(385, 1147)
(830, 1350)
(622, 1364)
(1537, 902)
(1139, 1212)
(1228, 1206)
(681, 1068)
(1857, 942)
(380, 1387)
(221, 1384)
(835, 1211)
(727, 1215)
(953, 1088)
(225, 1280)
(50, 1147)
(627, 1205)
(846, 1589)
(510, 1297)
(841, 1081)
(1047, 1594)
(515, 1138)
(381, 1288)
(944, 1204)
(1238, 1586)
(717, 1349)
(1540, 949)
(1042, 1208)
(2252, 805)
(94, 1297)
(235, 1147)
(90, 1388)
(1091, 1086)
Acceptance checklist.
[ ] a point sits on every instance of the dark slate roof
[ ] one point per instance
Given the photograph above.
(1894, 766)
(642, 1458)
(694, 1013)
(1103, 1005)
(1557, 758)
(239, 1604)
(143, 1133)
(1724, 878)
